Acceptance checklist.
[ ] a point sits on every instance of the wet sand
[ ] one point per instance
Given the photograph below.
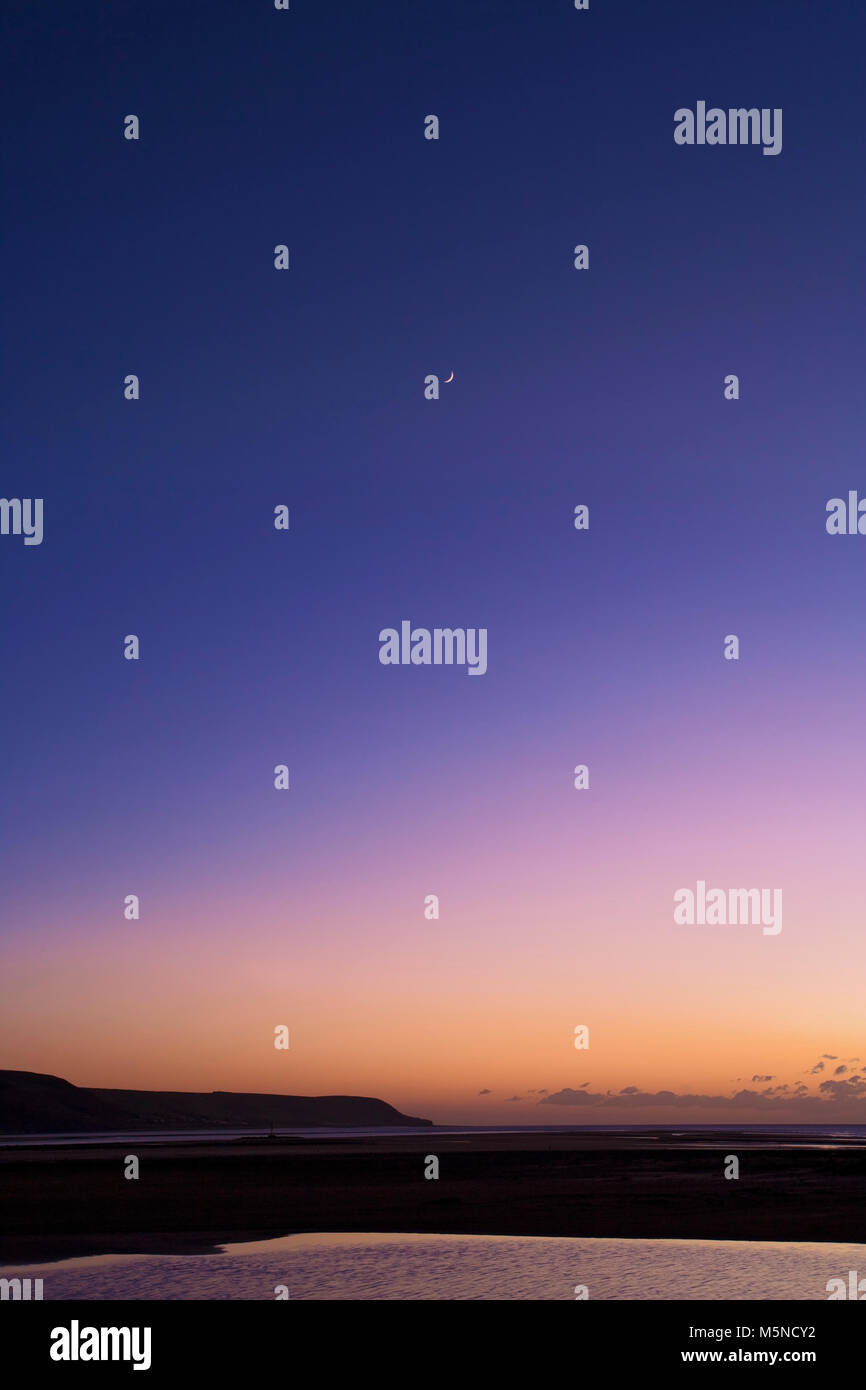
(191, 1197)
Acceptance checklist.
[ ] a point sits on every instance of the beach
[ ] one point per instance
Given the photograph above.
(365, 1266)
(192, 1197)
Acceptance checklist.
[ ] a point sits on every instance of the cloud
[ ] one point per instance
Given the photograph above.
(485, 1093)
(796, 1102)
(569, 1097)
(782, 1099)
(633, 1098)
(515, 1097)
(854, 1088)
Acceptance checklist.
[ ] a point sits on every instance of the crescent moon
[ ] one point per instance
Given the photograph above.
(449, 378)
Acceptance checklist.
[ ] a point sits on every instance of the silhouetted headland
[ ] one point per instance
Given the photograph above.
(32, 1103)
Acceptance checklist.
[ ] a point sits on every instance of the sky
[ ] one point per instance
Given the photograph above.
(306, 388)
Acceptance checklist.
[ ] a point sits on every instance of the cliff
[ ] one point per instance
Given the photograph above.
(31, 1103)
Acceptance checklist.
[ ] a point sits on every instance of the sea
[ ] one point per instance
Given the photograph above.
(397, 1266)
(341, 1268)
(830, 1135)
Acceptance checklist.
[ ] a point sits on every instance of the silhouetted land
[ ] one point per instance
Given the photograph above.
(74, 1201)
(34, 1103)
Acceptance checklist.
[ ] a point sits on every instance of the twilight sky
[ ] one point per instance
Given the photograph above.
(258, 647)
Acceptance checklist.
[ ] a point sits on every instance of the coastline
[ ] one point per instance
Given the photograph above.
(190, 1198)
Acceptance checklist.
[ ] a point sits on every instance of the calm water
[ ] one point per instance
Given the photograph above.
(344, 1267)
(700, 1135)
